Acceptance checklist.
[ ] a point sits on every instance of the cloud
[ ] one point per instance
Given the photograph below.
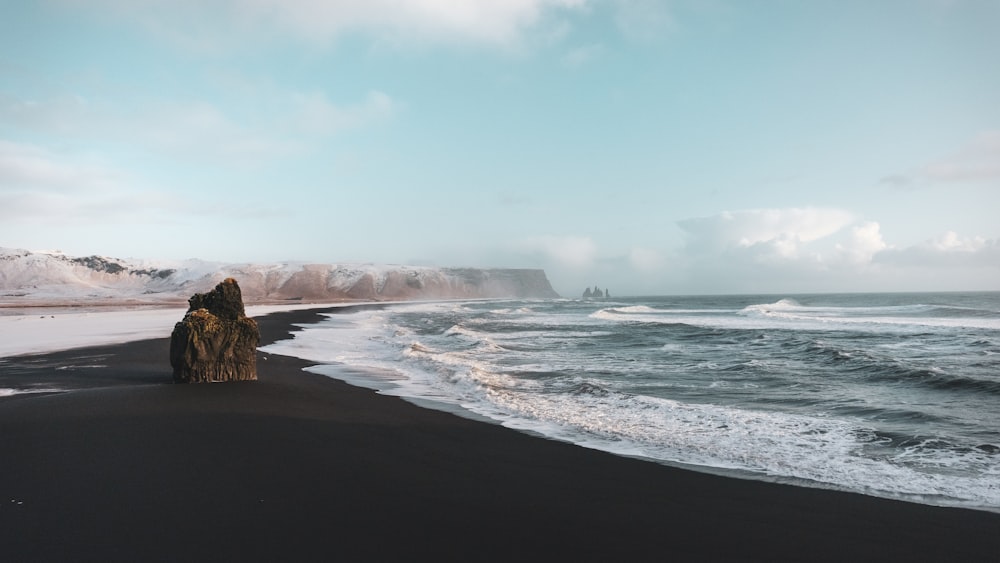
(946, 252)
(38, 186)
(801, 238)
(199, 130)
(951, 242)
(768, 250)
(59, 114)
(193, 128)
(644, 20)
(865, 242)
(976, 161)
(44, 189)
(569, 251)
(807, 250)
(777, 233)
(25, 167)
(205, 25)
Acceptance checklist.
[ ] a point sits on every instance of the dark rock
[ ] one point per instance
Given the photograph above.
(154, 273)
(100, 264)
(216, 341)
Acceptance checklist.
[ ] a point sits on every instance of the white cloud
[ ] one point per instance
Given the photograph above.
(204, 24)
(802, 250)
(865, 242)
(951, 242)
(569, 251)
(944, 252)
(769, 250)
(780, 233)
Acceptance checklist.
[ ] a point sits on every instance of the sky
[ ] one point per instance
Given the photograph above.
(649, 147)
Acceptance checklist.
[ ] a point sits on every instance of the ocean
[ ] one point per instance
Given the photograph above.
(892, 395)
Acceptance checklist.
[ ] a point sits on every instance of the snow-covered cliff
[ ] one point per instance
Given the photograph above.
(29, 278)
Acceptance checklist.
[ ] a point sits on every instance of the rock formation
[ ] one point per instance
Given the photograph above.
(216, 341)
(596, 293)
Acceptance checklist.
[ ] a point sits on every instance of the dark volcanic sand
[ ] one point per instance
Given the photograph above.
(301, 467)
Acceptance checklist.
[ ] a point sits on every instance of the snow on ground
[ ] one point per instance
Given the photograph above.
(41, 332)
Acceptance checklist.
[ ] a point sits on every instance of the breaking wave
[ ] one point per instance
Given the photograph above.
(893, 399)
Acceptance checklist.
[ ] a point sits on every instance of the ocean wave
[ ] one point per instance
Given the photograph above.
(871, 320)
(662, 318)
(10, 392)
(786, 317)
(937, 379)
(812, 400)
(898, 315)
(960, 312)
(635, 309)
(474, 337)
(512, 311)
(818, 450)
(647, 310)
(871, 366)
(418, 348)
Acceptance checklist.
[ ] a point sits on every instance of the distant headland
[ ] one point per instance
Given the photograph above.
(41, 278)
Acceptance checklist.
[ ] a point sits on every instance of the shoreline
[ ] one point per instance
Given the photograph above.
(305, 467)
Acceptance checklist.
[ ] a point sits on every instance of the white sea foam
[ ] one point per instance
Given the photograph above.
(508, 311)
(790, 315)
(522, 380)
(6, 392)
(820, 450)
(635, 309)
(780, 445)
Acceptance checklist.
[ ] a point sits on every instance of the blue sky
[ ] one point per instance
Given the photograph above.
(654, 147)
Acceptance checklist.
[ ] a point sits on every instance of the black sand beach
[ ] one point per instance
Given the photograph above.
(299, 467)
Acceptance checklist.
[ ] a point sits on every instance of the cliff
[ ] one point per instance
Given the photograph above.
(31, 278)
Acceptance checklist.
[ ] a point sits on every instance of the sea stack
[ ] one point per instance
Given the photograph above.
(216, 341)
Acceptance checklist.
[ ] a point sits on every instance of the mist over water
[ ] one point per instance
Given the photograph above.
(891, 395)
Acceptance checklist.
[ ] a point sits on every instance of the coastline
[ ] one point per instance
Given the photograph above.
(303, 467)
